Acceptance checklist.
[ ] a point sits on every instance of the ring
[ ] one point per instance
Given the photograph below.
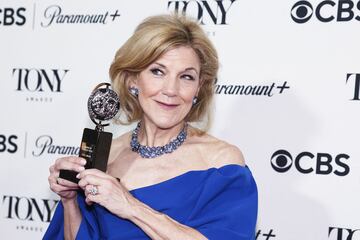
(93, 190)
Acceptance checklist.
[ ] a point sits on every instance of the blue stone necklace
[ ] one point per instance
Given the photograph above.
(153, 152)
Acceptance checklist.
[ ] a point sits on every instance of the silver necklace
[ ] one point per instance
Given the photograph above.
(153, 152)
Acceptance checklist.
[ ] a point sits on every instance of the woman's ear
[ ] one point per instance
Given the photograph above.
(132, 86)
(132, 81)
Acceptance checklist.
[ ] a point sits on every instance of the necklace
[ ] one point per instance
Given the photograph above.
(153, 152)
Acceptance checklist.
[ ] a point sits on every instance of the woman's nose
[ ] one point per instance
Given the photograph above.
(170, 87)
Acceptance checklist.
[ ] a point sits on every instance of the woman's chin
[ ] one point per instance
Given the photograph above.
(166, 123)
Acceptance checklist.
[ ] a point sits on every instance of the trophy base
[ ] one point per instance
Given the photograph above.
(69, 175)
(95, 149)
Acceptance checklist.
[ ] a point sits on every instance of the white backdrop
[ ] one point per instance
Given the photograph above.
(300, 135)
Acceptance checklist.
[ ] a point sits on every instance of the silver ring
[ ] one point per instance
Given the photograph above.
(93, 190)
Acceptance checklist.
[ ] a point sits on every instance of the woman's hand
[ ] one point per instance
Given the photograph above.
(107, 191)
(64, 188)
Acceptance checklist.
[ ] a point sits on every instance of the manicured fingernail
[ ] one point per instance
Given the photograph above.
(83, 161)
(78, 176)
(81, 169)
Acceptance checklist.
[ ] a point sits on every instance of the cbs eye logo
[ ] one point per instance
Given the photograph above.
(281, 161)
(326, 11)
(307, 162)
(301, 12)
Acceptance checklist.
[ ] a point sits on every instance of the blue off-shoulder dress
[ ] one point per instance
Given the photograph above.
(221, 203)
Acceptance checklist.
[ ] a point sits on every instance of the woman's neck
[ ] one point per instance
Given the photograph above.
(153, 136)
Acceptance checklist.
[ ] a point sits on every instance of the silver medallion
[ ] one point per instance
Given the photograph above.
(103, 104)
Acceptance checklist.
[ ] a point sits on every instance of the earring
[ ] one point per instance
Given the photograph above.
(195, 101)
(134, 91)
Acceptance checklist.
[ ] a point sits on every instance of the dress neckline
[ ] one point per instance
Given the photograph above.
(167, 181)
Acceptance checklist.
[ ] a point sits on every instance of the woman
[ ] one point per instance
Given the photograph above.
(176, 181)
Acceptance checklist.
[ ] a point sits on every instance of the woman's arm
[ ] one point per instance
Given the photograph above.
(160, 226)
(68, 193)
(117, 199)
(72, 218)
(112, 195)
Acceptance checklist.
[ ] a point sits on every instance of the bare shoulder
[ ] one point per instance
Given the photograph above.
(119, 145)
(217, 152)
(225, 153)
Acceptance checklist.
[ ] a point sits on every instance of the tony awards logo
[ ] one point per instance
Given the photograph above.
(103, 105)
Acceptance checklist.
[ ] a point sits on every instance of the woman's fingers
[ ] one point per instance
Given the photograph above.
(52, 169)
(60, 188)
(66, 183)
(69, 163)
(90, 180)
(92, 176)
(88, 191)
(94, 172)
(88, 202)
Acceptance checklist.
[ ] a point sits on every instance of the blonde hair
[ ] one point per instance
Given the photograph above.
(152, 38)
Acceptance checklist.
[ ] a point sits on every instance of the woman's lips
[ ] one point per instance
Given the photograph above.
(167, 105)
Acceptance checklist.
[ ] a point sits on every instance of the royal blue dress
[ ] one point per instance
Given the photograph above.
(220, 203)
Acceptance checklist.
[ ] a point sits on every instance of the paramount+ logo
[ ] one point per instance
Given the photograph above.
(306, 162)
(326, 11)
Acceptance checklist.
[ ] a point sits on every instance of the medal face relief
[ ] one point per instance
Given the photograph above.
(103, 103)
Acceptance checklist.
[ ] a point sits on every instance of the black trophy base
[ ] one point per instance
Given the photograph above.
(95, 149)
(69, 175)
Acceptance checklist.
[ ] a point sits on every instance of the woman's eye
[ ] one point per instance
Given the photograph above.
(188, 77)
(156, 71)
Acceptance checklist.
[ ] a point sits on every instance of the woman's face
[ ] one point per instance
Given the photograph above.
(168, 86)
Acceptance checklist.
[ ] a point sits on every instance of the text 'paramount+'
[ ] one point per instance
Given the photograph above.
(255, 90)
(45, 145)
(54, 14)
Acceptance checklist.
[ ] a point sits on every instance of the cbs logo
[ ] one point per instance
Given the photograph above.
(8, 143)
(325, 11)
(10, 16)
(307, 162)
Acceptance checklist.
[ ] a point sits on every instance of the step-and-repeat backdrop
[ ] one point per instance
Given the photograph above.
(287, 94)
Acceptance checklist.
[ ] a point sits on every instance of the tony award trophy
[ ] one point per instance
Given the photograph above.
(103, 105)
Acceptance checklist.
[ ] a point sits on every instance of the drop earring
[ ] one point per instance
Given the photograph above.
(134, 91)
(195, 101)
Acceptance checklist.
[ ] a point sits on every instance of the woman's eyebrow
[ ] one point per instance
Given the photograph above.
(161, 65)
(191, 68)
(186, 69)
